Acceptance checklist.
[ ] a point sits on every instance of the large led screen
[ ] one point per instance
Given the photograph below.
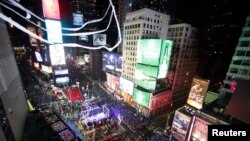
(60, 80)
(57, 54)
(99, 39)
(51, 9)
(112, 62)
(199, 130)
(126, 85)
(165, 58)
(61, 72)
(145, 76)
(46, 69)
(141, 97)
(180, 125)
(77, 19)
(197, 93)
(113, 82)
(54, 31)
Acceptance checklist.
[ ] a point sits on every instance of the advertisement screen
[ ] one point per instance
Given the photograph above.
(180, 126)
(99, 39)
(61, 72)
(33, 41)
(84, 38)
(113, 82)
(51, 9)
(126, 85)
(54, 31)
(38, 57)
(46, 69)
(86, 58)
(80, 60)
(148, 51)
(57, 54)
(112, 62)
(77, 19)
(62, 80)
(199, 131)
(145, 76)
(141, 97)
(165, 58)
(197, 93)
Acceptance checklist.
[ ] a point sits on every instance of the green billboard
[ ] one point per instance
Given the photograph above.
(155, 52)
(148, 51)
(145, 76)
(165, 58)
(141, 97)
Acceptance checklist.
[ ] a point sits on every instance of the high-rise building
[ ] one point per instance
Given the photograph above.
(141, 24)
(184, 60)
(13, 107)
(239, 69)
(126, 6)
(219, 23)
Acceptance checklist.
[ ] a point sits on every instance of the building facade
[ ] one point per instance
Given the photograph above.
(239, 69)
(12, 99)
(184, 60)
(141, 24)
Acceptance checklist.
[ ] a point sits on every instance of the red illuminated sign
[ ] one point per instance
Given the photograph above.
(51, 9)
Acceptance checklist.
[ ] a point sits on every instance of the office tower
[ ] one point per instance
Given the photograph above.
(239, 68)
(184, 60)
(141, 24)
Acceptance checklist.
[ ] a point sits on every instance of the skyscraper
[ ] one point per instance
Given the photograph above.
(239, 68)
(184, 60)
(141, 24)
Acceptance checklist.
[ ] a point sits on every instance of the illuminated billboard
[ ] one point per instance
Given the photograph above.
(141, 97)
(61, 72)
(197, 93)
(165, 58)
(155, 52)
(199, 130)
(113, 82)
(77, 19)
(51, 9)
(46, 69)
(99, 39)
(151, 51)
(60, 80)
(80, 60)
(145, 76)
(57, 54)
(126, 85)
(180, 126)
(86, 58)
(54, 31)
(38, 57)
(33, 41)
(112, 62)
(40, 34)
